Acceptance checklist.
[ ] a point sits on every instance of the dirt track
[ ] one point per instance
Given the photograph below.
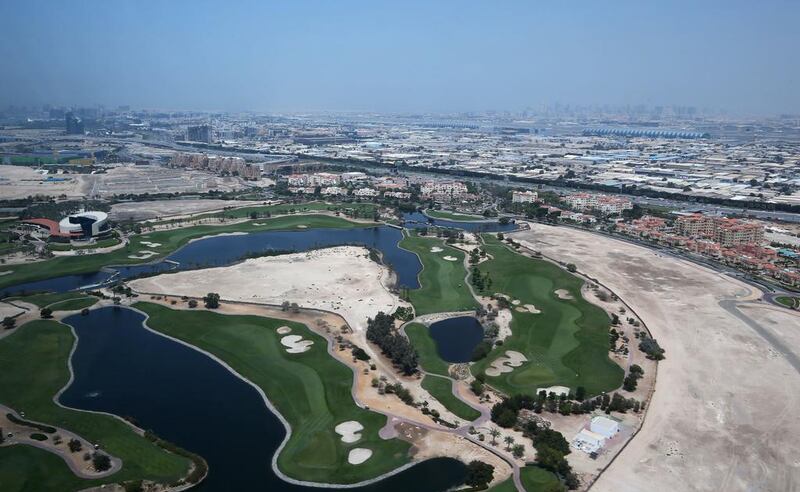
(722, 415)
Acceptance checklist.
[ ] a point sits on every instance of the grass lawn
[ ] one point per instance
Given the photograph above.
(103, 243)
(426, 348)
(168, 242)
(363, 210)
(792, 302)
(442, 390)
(534, 479)
(567, 344)
(443, 287)
(34, 360)
(74, 304)
(44, 300)
(311, 390)
(441, 214)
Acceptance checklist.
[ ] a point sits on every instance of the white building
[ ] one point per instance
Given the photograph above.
(84, 224)
(334, 191)
(323, 179)
(524, 197)
(297, 179)
(588, 441)
(447, 187)
(604, 426)
(397, 194)
(354, 177)
(366, 192)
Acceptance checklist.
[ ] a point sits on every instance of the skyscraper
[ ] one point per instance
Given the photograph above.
(201, 133)
(74, 124)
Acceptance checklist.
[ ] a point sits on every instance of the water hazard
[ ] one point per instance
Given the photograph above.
(456, 338)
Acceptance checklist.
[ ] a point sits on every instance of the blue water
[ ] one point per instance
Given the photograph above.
(225, 250)
(124, 369)
(456, 338)
(418, 220)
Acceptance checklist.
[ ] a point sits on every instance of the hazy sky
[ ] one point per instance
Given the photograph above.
(743, 56)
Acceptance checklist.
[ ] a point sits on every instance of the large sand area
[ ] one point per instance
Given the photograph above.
(722, 414)
(341, 279)
(164, 208)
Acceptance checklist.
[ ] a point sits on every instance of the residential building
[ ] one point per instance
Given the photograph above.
(524, 197)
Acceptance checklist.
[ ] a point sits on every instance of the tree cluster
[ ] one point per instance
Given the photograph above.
(479, 474)
(381, 332)
(650, 347)
(211, 300)
(632, 379)
(551, 451)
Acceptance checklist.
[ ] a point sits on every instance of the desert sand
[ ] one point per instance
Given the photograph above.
(341, 279)
(721, 417)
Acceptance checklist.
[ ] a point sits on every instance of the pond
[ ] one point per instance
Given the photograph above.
(456, 338)
(418, 220)
(122, 368)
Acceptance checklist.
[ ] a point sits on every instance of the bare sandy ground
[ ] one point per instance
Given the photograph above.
(167, 208)
(22, 181)
(341, 279)
(722, 414)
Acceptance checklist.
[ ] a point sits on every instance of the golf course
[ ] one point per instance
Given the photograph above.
(311, 390)
(161, 243)
(565, 344)
(34, 360)
(442, 286)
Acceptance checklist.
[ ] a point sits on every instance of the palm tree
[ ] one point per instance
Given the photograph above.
(509, 440)
(494, 433)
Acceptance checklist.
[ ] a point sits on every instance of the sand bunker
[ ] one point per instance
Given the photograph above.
(143, 255)
(295, 344)
(358, 455)
(151, 245)
(558, 390)
(515, 302)
(564, 294)
(451, 258)
(6, 272)
(283, 330)
(208, 236)
(506, 363)
(350, 431)
(529, 308)
(436, 249)
(301, 226)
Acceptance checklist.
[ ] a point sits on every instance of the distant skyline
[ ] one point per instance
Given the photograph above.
(442, 56)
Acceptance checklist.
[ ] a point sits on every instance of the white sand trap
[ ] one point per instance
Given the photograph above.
(350, 431)
(151, 245)
(143, 255)
(295, 344)
(451, 258)
(558, 390)
(515, 302)
(358, 455)
(531, 308)
(283, 330)
(564, 294)
(506, 363)
(6, 272)
(301, 226)
(436, 249)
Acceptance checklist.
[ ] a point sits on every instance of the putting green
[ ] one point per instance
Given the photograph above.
(566, 344)
(311, 390)
(168, 241)
(442, 281)
(34, 360)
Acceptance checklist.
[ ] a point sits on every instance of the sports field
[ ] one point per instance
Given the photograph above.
(34, 360)
(167, 242)
(442, 390)
(442, 282)
(566, 344)
(311, 390)
(426, 349)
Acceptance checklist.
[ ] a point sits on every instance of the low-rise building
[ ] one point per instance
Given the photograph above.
(524, 197)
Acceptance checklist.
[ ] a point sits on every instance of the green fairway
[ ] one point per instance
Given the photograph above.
(567, 344)
(534, 479)
(441, 214)
(43, 300)
(74, 304)
(165, 243)
(311, 390)
(442, 282)
(442, 390)
(426, 349)
(34, 360)
(363, 210)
